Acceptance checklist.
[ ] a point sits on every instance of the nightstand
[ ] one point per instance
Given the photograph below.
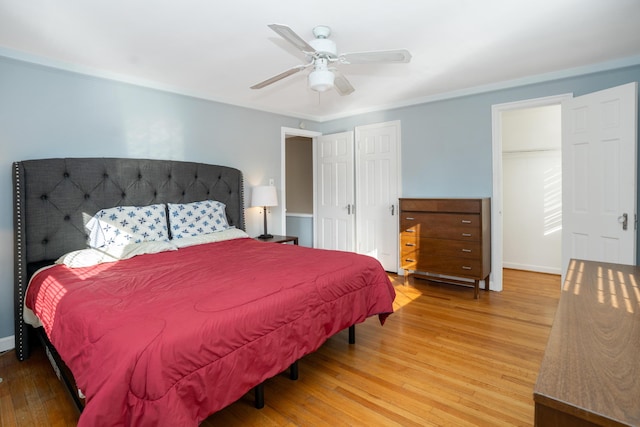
(280, 239)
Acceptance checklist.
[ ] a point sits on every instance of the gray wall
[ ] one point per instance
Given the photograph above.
(446, 145)
(299, 182)
(299, 174)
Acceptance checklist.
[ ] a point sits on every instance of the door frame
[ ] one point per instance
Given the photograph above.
(284, 132)
(497, 198)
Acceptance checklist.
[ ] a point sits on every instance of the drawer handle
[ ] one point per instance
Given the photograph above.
(466, 267)
(408, 230)
(409, 218)
(409, 244)
(466, 234)
(409, 260)
(466, 250)
(466, 221)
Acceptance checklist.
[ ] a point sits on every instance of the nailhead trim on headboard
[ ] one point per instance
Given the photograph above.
(22, 345)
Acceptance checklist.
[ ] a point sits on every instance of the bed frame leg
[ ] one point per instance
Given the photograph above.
(293, 371)
(259, 396)
(352, 334)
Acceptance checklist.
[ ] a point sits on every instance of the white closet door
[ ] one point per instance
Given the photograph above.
(334, 224)
(377, 190)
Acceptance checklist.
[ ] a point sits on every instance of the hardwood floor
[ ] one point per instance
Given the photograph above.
(442, 359)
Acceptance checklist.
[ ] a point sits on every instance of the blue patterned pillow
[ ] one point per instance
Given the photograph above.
(124, 225)
(194, 219)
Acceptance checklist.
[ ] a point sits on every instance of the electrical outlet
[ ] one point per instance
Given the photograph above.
(271, 181)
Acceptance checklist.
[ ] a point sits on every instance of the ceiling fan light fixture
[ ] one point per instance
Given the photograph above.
(321, 80)
(322, 54)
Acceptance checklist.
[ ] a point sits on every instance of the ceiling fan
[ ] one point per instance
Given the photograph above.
(322, 54)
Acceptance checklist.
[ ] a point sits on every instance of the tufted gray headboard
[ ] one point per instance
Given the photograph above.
(53, 199)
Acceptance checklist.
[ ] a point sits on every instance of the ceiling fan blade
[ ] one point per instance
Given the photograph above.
(342, 85)
(280, 76)
(398, 55)
(289, 35)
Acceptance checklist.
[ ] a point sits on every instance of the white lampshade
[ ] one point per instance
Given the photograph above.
(264, 195)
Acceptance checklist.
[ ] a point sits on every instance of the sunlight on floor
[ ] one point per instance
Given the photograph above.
(404, 293)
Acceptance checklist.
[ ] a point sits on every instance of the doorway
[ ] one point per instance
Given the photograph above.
(299, 189)
(500, 112)
(296, 186)
(532, 189)
(599, 138)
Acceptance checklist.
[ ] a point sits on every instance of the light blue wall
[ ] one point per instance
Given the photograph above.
(446, 145)
(46, 112)
(302, 227)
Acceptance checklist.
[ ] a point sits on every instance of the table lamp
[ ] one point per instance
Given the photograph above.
(264, 196)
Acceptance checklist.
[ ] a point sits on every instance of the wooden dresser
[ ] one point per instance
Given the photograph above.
(447, 237)
(589, 375)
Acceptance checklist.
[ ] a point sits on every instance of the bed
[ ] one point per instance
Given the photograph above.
(169, 337)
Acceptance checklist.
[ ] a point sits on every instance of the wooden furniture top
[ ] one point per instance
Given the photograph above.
(280, 239)
(591, 367)
(457, 205)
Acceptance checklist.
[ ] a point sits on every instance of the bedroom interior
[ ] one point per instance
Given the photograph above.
(443, 357)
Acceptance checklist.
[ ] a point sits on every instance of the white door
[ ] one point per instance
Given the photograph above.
(377, 189)
(334, 224)
(599, 176)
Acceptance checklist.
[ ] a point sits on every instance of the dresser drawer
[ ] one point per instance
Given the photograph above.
(432, 247)
(407, 249)
(409, 242)
(441, 226)
(453, 266)
(451, 248)
(442, 205)
(409, 261)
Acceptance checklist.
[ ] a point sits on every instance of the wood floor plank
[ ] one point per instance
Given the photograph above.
(7, 415)
(443, 358)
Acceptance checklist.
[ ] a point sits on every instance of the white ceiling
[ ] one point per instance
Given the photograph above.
(216, 50)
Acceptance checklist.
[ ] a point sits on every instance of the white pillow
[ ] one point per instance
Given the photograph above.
(85, 258)
(218, 236)
(124, 225)
(92, 256)
(194, 219)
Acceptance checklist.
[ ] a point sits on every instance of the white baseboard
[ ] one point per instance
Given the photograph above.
(7, 343)
(536, 268)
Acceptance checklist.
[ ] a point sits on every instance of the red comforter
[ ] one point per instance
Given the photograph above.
(169, 338)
